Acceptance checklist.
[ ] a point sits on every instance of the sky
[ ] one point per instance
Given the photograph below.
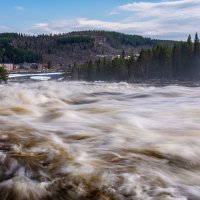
(161, 19)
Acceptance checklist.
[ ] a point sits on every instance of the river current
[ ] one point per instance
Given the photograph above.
(99, 141)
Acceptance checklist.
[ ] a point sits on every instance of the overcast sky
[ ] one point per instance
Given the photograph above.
(166, 19)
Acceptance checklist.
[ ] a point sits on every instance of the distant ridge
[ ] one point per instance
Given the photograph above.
(65, 49)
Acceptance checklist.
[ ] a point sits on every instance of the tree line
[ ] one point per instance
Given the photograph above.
(181, 62)
(11, 54)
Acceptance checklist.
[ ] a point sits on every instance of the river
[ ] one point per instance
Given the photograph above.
(34, 76)
(99, 141)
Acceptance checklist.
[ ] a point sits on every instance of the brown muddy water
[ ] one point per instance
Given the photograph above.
(99, 141)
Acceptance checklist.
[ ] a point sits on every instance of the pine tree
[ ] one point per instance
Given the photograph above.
(196, 60)
(189, 46)
(75, 72)
(177, 70)
(123, 53)
(196, 45)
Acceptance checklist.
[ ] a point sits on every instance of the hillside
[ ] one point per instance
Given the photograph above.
(65, 49)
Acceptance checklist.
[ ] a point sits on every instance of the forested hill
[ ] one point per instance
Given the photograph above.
(65, 49)
(180, 62)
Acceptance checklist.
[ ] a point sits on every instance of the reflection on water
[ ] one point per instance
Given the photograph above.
(99, 141)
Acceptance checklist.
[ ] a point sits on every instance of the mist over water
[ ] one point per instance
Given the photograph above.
(99, 141)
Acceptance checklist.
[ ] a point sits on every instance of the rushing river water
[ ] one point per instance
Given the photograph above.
(99, 141)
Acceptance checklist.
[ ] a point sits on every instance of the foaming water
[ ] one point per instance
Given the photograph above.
(99, 141)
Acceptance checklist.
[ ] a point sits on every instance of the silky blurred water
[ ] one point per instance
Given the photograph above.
(99, 141)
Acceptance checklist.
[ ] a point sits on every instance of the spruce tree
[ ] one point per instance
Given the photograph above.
(196, 60)
(196, 44)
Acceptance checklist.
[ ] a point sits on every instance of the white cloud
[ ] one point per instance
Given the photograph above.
(62, 26)
(5, 29)
(19, 8)
(169, 19)
(55, 27)
(142, 5)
